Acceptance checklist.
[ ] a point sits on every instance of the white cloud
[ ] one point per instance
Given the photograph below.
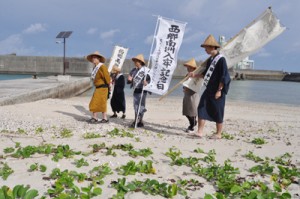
(192, 8)
(140, 3)
(35, 28)
(202, 56)
(149, 40)
(294, 48)
(92, 31)
(14, 44)
(195, 37)
(263, 53)
(296, 44)
(109, 34)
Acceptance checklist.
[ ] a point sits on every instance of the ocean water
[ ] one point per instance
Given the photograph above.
(9, 76)
(278, 92)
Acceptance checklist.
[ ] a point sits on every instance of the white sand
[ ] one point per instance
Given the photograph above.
(164, 128)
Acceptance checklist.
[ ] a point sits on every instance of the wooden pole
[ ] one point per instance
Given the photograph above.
(197, 71)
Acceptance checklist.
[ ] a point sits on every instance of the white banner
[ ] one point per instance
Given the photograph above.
(253, 37)
(118, 57)
(164, 57)
(250, 39)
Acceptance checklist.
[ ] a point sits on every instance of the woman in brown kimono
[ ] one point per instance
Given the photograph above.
(101, 80)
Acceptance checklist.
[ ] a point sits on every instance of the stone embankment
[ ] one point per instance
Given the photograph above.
(28, 90)
(13, 64)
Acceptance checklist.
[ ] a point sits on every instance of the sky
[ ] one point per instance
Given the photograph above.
(29, 28)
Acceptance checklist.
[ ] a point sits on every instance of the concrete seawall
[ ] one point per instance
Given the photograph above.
(12, 64)
(258, 75)
(28, 90)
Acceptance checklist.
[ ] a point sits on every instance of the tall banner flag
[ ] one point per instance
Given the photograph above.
(168, 40)
(118, 57)
(250, 39)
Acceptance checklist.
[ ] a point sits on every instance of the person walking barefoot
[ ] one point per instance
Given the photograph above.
(216, 81)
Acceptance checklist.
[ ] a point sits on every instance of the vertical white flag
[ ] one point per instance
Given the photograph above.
(164, 57)
(118, 57)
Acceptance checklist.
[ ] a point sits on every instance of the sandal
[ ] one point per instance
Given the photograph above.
(114, 116)
(93, 121)
(132, 125)
(197, 135)
(103, 121)
(189, 129)
(140, 124)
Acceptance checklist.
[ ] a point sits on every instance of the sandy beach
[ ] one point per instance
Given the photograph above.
(63, 122)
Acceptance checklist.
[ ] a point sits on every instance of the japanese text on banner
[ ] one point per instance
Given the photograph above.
(164, 58)
(118, 57)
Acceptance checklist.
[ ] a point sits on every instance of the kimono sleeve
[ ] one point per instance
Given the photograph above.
(224, 77)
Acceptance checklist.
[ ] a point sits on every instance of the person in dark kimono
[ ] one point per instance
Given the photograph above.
(216, 81)
(117, 102)
(190, 99)
(137, 80)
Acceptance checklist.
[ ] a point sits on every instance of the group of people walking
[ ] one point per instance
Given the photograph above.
(209, 107)
(103, 82)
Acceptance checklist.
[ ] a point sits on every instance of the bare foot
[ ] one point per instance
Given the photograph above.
(196, 135)
(215, 136)
(199, 134)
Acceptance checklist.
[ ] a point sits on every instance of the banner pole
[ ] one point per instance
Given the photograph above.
(196, 71)
(109, 66)
(151, 49)
(153, 40)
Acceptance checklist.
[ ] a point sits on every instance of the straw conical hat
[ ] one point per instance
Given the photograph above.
(115, 69)
(96, 53)
(191, 63)
(210, 41)
(140, 58)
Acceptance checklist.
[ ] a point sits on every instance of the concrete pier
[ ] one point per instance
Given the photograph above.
(28, 90)
(267, 75)
(12, 64)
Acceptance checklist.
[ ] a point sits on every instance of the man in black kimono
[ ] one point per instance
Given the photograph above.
(216, 84)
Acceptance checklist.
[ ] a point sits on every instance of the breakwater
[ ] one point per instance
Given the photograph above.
(292, 77)
(12, 64)
(43, 65)
(257, 75)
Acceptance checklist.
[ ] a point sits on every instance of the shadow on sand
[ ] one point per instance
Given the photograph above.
(154, 127)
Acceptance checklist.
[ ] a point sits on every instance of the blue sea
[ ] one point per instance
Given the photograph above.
(9, 76)
(277, 92)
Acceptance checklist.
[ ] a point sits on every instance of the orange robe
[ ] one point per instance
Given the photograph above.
(99, 100)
